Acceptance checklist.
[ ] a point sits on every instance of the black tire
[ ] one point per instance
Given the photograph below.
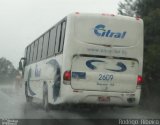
(28, 98)
(45, 97)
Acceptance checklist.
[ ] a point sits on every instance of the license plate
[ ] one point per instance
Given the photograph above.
(104, 99)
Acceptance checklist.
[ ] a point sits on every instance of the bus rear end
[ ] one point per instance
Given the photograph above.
(105, 59)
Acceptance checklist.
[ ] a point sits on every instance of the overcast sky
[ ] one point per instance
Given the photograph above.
(22, 21)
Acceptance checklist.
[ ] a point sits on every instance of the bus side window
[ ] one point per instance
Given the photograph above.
(40, 45)
(45, 45)
(52, 40)
(28, 54)
(25, 55)
(31, 53)
(58, 39)
(62, 36)
(35, 50)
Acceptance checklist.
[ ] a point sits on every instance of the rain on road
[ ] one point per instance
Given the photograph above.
(14, 106)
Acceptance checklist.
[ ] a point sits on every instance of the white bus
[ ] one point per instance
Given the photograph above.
(86, 58)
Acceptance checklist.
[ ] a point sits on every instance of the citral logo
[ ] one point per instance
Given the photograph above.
(100, 31)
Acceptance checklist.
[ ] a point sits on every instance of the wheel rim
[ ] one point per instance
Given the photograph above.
(45, 102)
(45, 99)
(26, 93)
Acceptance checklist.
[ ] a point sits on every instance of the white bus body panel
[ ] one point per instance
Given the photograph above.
(103, 78)
(127, 49)
(46, 71)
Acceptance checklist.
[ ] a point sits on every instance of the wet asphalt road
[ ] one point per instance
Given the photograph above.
(14, 106)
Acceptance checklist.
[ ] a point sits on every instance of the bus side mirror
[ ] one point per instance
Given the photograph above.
(20, 66)
(24, 62)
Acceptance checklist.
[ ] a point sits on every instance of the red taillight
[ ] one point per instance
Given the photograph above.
(67, 75)
(139, 80)
(138, 18)
(77, 13)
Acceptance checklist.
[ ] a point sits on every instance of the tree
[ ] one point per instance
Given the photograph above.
(128, 8)
(7, 70)
(149, 11)
(138, 7)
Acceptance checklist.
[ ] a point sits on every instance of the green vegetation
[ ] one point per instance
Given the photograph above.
(7, 71)
(149, 11)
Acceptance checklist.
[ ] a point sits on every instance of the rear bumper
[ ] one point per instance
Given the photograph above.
(92, 97)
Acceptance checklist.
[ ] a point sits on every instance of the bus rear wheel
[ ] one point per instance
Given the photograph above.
(28, 98)
(45, 97)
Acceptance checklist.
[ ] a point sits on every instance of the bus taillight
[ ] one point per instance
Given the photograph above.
(77, 13)
(67, 77)
(138, 18)
(139, 80)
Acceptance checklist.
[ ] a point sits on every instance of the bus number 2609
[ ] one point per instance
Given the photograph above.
(106, 77)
